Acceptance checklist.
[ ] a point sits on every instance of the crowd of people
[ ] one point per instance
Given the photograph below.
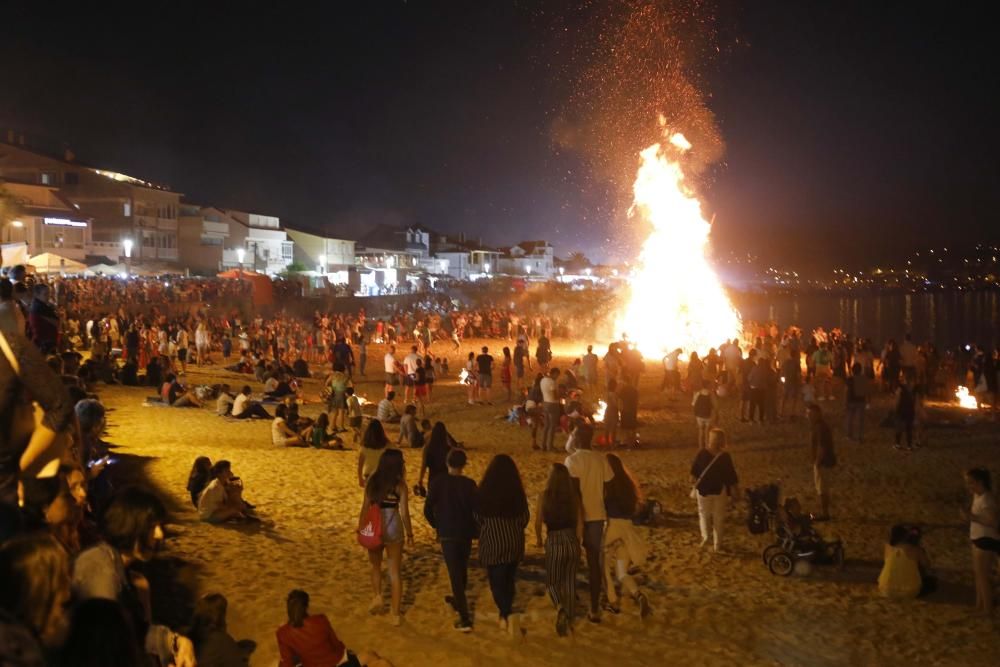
(74, 534)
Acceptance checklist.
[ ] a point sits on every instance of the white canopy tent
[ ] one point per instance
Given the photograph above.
(49, 262)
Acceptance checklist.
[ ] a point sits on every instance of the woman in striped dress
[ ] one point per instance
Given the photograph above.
(502, 516)
(561, 511)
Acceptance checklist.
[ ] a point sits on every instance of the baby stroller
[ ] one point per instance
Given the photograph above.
(795, 537)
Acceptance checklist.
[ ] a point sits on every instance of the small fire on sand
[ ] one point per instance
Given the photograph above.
(602, 407)
(676, 298)
(965, 399)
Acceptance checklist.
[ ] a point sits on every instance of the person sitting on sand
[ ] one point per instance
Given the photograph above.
(278, 387)
(295, 422)
(281, 434)
(224, 403)
(222, 499)
(198, 479)
(906, 570)
(176, 396)
(387, 412)
(308, 640)
(320, 437)
(132, 529)
(245, 407)
(213, 645)
(409, 434)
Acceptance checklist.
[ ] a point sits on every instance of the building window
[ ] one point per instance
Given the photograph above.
(48, 178)
(71, 178)
(286, 251)
(127, 209)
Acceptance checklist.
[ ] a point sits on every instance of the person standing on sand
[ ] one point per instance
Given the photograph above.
(857, 401)
(983, 517)
(591, 472)
(502, 515)
(561, 512)
(386, 488)
(589, 369)
(824, 459)
(705, 412)
(551, 407)
(713, 472)
(623, 544)
(449, 509)
(391, 370)
(521, 359)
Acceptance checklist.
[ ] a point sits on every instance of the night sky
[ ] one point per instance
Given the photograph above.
(852, 131)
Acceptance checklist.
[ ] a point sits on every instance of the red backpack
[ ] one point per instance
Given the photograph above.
(370, 530)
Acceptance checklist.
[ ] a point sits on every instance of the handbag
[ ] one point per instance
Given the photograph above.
(370, 530)
(694, 488)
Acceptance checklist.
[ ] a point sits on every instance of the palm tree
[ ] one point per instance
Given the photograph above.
(577, 262)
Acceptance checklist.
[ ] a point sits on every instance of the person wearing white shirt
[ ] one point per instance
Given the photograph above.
(985, 537)
(245, 408)
(410, 374)
(591, 471)
(391, 370)
(551, 408)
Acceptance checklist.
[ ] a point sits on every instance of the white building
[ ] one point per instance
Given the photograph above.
(265, 245)
(529, 258)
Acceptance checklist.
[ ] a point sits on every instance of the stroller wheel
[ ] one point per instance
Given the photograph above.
(781, 563)
(769, 551)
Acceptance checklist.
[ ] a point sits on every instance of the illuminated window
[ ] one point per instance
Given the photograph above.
(127, 209)
(48, 178)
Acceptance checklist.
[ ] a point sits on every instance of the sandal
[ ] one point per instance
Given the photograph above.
(612, 608)
(562, 623)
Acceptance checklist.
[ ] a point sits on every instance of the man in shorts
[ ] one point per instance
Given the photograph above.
(484, 362)
(391, 370)
(410, 374)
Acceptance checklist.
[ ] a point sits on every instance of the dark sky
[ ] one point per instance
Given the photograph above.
(853, 130)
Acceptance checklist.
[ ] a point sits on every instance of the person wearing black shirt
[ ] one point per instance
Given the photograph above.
(450, 507)
(484, 363)
(712, 472)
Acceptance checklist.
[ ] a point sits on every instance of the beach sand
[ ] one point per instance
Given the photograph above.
(708, 609)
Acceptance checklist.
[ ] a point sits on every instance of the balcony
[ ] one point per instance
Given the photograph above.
(166, 253)
(209, 228)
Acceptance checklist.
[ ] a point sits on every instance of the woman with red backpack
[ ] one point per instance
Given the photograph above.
(385, 515)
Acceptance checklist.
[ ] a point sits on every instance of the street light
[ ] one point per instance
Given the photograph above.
(562, 271)
(486, 266)
(16, 223)
(322, 264)
(528, 269)
(240, 254)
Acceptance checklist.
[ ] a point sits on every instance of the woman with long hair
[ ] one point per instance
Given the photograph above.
(502, 515)
(623, 545)
(213, 645)
(372, 447)
(434, 458)
(560, 510)
(386, 488)
(199, 477)
(308, 639)
(35, 573)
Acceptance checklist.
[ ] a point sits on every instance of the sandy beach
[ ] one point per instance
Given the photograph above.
(708, 609)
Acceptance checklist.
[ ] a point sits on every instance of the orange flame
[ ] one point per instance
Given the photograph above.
(676, 298)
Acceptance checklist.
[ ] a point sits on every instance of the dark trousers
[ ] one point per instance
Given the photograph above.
(757, 402)
(253, 409)
(456, 558)
(593, 545)
(904, 426)
(502, 586)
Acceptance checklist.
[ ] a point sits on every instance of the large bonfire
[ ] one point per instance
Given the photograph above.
(676, 298)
